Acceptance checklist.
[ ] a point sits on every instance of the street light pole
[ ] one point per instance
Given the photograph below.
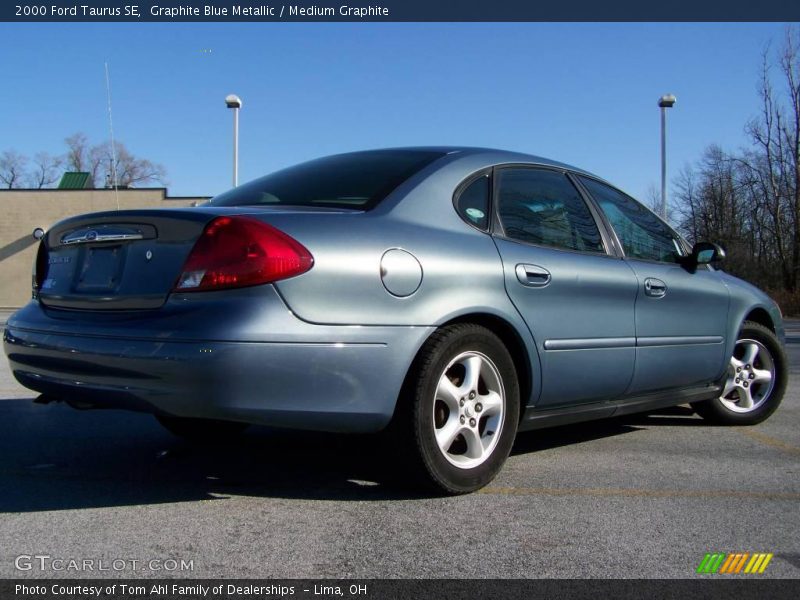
(665, 102)
(233, 101)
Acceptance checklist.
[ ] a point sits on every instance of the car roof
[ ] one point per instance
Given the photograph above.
(493, 155)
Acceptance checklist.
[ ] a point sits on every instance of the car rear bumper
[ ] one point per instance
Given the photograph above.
(332, 378)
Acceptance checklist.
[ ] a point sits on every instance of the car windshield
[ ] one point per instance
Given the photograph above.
(358, 180)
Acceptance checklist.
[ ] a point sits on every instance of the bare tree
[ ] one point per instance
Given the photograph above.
(773, 165)
(652, 198)
(83, 157)
(77, 157)
(98, 160)
(129, 170)
(750, 200)
(46, 170)
(718, 200)
(12, 168)
(689, 205)
(102, 164)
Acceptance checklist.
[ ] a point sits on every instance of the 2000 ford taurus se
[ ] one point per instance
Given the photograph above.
(452, 295)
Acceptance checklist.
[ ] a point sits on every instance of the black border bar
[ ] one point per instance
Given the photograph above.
(398, 11)
(710, 587)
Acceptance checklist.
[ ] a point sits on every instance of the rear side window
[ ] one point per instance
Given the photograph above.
(358, 180)
(472, 203)
(542, 207)
(642, 234)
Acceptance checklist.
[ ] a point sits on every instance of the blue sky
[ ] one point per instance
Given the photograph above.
(581, 93)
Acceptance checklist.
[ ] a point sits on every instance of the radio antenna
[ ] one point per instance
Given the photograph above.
(111, 131)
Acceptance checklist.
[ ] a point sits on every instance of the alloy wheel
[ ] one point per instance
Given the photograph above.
(751, 377)
(468, 410)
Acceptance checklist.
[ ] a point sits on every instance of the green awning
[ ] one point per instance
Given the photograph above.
(75, 180)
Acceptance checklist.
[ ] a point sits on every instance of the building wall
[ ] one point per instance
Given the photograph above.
(21, 211)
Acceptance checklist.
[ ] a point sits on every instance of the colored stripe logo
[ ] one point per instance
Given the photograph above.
(741, 562)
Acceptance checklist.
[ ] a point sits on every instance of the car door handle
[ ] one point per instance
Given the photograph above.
(655, 288)
(533, 275)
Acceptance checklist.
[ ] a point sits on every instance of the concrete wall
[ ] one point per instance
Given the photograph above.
(21, 211)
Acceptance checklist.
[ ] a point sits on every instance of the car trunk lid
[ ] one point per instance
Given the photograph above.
(123, 260)
(134, 259)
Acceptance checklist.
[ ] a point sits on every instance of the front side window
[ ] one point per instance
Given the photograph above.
(358, 180)
(642, 234)
(542, 207)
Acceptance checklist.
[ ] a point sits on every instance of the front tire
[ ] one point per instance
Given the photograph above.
(460, 409)
(756, 380)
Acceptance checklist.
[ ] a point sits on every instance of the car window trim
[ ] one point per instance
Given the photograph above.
(499, 231)
(616, 243)
(610, 240)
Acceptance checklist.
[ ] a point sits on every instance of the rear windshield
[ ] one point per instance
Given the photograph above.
(358, 180)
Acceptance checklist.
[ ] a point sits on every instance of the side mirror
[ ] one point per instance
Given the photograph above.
(38, 233)
(706, 252)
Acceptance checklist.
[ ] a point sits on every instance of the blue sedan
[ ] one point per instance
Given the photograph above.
(450, 296)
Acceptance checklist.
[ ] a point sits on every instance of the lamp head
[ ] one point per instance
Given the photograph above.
(233, 101)
(666, 101)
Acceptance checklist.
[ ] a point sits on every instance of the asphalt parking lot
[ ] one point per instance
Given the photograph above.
(644, 496)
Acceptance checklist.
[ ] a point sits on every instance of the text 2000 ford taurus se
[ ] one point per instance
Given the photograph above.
(453, 295)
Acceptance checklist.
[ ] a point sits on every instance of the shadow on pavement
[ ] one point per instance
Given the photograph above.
(566, 435)
(681, 416)
(543, 439)
(54, 458)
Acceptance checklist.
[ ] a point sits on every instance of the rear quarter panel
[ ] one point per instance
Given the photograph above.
(462, 270)
(462, 273)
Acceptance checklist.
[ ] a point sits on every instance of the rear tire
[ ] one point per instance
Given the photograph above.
(458, 412)
(202, 431)
(756, 380)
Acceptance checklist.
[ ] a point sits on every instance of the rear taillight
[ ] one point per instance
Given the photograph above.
(241, 251)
